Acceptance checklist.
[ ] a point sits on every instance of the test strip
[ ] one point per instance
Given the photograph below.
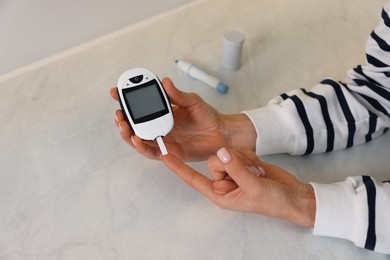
(161, 145)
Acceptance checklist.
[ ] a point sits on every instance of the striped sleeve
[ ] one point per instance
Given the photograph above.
(333, 114)
(356, 209)
(336, 115)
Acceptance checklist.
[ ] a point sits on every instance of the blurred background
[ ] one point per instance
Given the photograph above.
(33, 30)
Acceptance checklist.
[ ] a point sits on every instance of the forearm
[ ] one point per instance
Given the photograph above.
(332, 115)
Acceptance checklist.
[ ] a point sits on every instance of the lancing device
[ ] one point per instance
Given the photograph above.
(199, 74)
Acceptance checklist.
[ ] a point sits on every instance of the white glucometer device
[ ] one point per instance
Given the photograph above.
(145, 105)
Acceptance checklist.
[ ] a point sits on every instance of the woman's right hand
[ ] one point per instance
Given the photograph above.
(241, 182)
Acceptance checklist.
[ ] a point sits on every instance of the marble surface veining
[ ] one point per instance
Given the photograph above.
(71, 189)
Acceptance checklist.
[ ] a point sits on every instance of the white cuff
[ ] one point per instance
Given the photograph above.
(339, 213)
(273, 132)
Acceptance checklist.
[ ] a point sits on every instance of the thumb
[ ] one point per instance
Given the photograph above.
(235, 167)
(178, 97)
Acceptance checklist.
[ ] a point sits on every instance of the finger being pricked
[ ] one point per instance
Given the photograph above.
(246, 156)
(193, 178)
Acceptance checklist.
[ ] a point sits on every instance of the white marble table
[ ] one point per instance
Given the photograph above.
(71, 189)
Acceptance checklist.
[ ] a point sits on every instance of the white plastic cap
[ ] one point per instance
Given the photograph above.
(232, 50)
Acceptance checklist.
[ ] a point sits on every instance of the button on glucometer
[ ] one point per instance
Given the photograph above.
(136, 79)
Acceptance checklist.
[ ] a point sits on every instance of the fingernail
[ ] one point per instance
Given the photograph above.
(261, 169)
(133, 140)
(224, 155)
(116, 118)
(257, 170)
(120, 127)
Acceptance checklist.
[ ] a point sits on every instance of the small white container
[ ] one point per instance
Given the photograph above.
(232, 50)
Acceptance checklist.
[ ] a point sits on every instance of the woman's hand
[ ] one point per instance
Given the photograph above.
(241, 182)
(199, 130)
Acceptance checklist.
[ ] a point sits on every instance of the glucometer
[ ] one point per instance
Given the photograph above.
(145, 105)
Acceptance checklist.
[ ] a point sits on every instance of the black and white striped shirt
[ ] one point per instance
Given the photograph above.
(336, 115)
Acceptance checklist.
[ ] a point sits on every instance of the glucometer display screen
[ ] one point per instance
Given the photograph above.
(145, 102)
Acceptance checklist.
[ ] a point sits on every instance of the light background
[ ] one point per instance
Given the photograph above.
(33, 30)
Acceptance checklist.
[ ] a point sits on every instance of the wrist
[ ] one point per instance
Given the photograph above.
(239, 131)
(305, 205)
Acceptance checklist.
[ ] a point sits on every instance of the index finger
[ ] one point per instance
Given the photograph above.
(193, 178)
